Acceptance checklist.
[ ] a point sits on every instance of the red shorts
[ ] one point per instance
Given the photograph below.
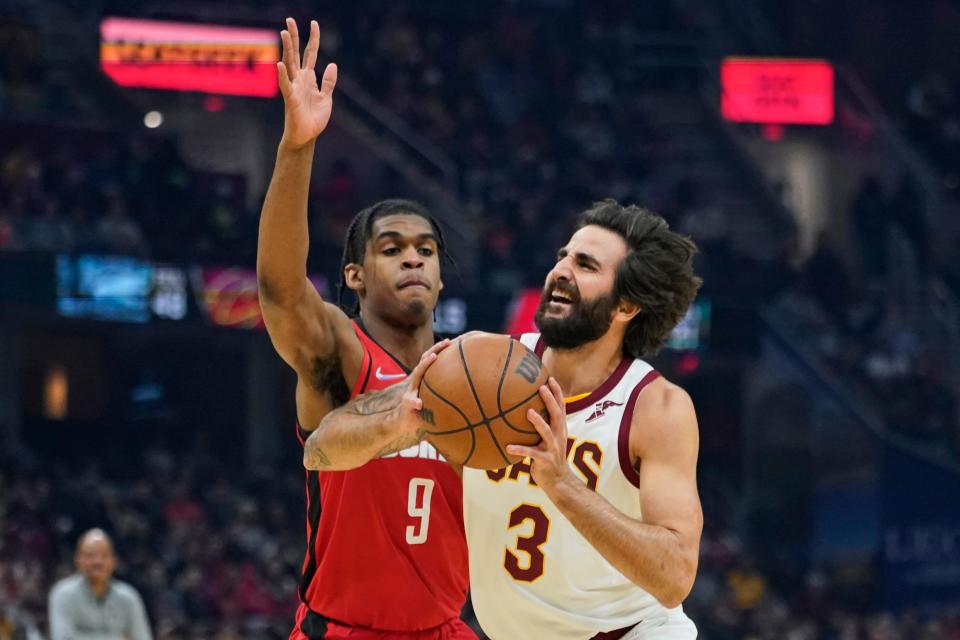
(453, 629)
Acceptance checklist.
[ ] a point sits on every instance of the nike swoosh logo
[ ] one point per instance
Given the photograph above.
(388, 376)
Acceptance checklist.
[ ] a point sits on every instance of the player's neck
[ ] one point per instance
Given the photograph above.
(406, 343)
(585, 368)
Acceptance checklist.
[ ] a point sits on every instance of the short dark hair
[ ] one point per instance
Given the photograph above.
(657, 273)
(360, 229)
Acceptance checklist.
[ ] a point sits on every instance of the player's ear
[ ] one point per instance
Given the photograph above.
(354, 276)
(441, 286)
(627, 311)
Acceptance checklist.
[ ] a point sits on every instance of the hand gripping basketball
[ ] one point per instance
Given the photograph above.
(475, 396)
(549, 458)
(410, 407)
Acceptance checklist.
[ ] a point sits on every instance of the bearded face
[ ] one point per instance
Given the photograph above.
(567, 321)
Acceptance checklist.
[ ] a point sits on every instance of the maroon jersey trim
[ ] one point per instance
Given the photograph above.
(606, 387)
(623, 438)
(540, 347)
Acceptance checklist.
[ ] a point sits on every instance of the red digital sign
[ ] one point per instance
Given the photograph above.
(189, 57)
(777, 90)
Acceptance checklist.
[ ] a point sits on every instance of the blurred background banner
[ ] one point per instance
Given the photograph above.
(189, 56)
(921, 533)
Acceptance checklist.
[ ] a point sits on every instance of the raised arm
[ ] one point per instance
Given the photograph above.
(371, 425)
(658, 552)
(313, 337)
(284, 235)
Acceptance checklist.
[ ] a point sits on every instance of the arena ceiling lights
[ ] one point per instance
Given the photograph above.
(777, 90)
(184, 56)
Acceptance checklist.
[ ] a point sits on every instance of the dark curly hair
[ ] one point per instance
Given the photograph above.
(358, 233)
(657, 274)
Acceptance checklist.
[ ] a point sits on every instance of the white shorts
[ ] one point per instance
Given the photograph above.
(673, 625)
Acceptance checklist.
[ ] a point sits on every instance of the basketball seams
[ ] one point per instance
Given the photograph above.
(496, 443)
(456, 376)
(510, 410)
(466, 420)
(473, 446)
(476, 397)
(503, 376)
(474, 425)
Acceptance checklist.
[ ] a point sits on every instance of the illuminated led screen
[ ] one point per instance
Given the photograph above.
(189, 57)
(777, 91)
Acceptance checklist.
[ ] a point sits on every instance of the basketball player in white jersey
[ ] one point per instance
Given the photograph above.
(596, 533)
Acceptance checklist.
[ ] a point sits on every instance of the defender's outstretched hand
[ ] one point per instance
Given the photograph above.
(307, 107)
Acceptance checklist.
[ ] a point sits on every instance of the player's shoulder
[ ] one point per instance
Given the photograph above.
(349, 335)
(663, 411)
(663, 398)
(124, 591)
(67, 585)
(337, 317)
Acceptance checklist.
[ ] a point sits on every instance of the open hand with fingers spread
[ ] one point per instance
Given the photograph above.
(307, 106)
(548, 459)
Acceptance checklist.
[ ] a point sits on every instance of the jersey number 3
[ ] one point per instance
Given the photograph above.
(529, 545)
(418, 506)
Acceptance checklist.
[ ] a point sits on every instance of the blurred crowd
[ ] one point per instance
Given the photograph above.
(932, 119)
(530, 108)
(215, 552)
(848, 307)
(75, 190)
(540, 115)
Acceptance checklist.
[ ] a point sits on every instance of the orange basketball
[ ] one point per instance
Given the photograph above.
(476, 396)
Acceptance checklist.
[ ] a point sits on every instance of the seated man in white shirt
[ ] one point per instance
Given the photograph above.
(92, 604)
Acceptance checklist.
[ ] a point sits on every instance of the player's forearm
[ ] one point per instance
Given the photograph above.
(284, 234)
(365, 428)
(652, 557)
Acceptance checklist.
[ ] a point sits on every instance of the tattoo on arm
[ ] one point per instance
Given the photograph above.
(403, 442)
(376, 401)
(313, 456)
(365, 406)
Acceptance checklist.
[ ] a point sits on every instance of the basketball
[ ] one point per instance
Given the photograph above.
(475, 399)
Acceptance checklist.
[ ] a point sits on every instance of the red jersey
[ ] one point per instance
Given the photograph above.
(386, 547)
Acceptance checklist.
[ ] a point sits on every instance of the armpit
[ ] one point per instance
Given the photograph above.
(326, 376)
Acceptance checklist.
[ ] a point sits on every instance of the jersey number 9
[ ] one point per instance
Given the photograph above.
(418, 506)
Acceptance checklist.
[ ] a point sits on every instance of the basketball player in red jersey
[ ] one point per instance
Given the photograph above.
(386, 556)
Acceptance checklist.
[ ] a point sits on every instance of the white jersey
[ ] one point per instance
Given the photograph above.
(532, 574)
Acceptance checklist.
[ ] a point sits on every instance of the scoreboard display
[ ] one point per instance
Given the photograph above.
(184, 56)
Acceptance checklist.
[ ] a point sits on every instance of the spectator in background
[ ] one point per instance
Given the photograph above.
(16, 625)
(91, 603)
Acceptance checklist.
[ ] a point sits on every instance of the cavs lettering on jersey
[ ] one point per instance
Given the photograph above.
(532, 574)
(386, 549)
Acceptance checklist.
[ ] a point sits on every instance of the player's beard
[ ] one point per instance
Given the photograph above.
(586, 321)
